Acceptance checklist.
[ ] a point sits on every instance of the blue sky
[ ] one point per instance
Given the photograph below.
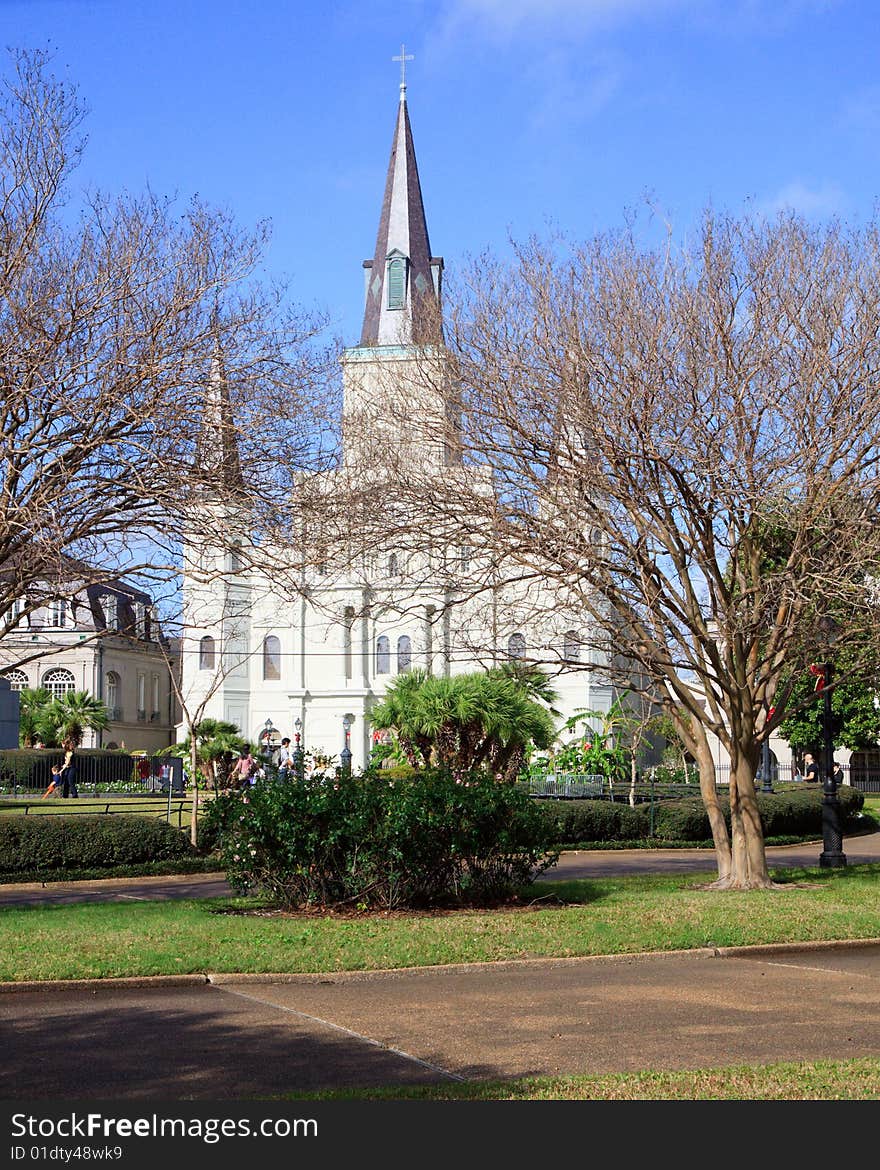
(525, 113)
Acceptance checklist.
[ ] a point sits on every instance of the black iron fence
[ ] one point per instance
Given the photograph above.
(24, 772)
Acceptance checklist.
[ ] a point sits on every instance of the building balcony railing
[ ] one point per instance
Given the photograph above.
(155, 717)
(114, 714)
(142, 716)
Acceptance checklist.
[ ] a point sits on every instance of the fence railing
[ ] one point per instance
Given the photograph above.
(137, 774)
(126, 806)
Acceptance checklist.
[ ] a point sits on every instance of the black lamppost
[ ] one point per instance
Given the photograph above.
(832, 855)
(266, 737)
(766, 773)
(298, 753)
(345, 754)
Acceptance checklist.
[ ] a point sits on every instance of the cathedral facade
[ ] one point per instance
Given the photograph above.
(312, 663)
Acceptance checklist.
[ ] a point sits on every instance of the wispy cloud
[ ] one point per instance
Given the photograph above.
(813, 202)
(571, 90)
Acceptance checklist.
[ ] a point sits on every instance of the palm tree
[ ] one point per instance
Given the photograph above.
(33, 723)
(74, 713)
(216, 743)
(468, 721)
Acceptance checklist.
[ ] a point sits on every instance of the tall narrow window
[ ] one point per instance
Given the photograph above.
(571, 647)
(154, 707)
(516, 646)
(404, 653)
(393, 566)
(108, 606)
(465, 558)
(383, 655)
(206, 653)
(111, 694)
(58, 614)
(271, 657)
(396, 283)
(347, 624)
(142, 695)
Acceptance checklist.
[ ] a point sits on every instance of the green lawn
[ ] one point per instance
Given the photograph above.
(599, 916)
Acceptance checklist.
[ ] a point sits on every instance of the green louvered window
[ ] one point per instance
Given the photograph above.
(396, 284)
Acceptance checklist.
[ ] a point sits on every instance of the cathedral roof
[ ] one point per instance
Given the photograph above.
(403, 233)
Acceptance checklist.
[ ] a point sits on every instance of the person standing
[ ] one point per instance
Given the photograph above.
(811, 769)
(286, 762)
(68, 771)
(837, 773)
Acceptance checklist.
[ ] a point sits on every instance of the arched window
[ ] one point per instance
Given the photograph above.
(397, 283)
(393, 566)
(17, 679)
(571, 647)
(383, 655)
(206, 653)
(404, 653)
(271, 657)
(516, 646)
(59, 682)
(111, 693)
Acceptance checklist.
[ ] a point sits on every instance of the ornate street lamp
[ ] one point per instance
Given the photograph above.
(345, 754)
(266, 737)
(298, 753)
(832, 855)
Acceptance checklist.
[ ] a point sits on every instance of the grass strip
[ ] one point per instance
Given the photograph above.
(825, 1080)
(605, 916)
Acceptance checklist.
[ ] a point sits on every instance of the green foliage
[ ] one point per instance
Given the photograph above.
(217, 744)
(426, 839)
(855, 721)
(795, 813)
(576, 821)
(53, 721)
(66, 843)
(484, 719)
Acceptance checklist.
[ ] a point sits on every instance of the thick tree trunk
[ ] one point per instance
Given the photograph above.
(717, 823)
(749, 868)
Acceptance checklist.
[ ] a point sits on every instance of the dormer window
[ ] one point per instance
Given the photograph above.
(396, 282)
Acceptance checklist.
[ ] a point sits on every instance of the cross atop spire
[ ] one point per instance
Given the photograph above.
(403, 57)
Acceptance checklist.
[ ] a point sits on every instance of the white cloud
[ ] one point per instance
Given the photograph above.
(506, 18)
(812, 202)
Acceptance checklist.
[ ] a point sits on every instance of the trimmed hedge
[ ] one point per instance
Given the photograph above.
(49, 844)
(795, 813)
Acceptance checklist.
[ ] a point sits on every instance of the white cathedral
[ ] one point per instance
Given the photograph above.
(313, 665)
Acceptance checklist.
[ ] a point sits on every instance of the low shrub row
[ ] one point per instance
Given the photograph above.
(795, 813)
(60, 843)
(374, 841)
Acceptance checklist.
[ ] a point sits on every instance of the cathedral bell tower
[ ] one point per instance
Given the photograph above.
(396, 408)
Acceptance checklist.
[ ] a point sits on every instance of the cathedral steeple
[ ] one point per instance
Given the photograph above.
(403, 278)
(217, 447)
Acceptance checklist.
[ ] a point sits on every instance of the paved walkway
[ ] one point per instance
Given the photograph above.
(240, 1037)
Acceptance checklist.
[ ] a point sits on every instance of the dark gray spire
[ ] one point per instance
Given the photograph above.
(403, 278)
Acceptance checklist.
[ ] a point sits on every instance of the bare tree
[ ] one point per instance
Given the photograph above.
(145, 374)
(683, 445)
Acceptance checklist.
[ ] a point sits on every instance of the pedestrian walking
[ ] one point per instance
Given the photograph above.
(811, 769)
(54, 782)
(68, 771)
